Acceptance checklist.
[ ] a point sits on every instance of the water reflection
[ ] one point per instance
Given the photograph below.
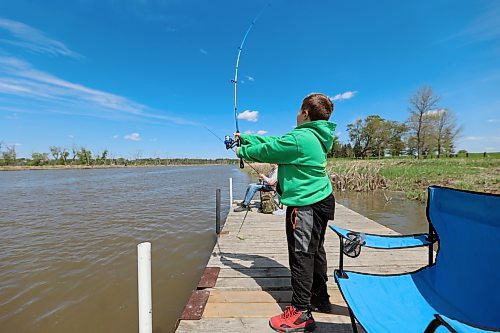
(390, 209)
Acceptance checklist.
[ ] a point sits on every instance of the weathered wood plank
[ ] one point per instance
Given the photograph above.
(332, 324)
(235, 296)
(259, 310)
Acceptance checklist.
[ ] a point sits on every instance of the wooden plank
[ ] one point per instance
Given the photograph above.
(331, 324)
(235, 296)
(195, 306)
(259, 310)
(209, 277)
(284, 272)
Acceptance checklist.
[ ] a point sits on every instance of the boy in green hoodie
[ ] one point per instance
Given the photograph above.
(306, 190)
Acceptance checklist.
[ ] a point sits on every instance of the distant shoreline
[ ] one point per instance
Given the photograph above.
(82, 167)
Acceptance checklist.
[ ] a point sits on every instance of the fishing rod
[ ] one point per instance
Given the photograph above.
(228, 141)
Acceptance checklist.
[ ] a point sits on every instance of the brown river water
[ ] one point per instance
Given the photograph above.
(68, 238)
(68, 256)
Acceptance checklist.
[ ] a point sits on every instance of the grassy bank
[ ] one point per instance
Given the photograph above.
(414, 176)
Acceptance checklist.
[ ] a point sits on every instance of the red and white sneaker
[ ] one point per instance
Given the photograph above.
(292, 320)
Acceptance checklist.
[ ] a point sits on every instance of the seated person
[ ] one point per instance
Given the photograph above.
(268, 183)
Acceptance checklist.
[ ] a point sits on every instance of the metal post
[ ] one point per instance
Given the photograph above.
(230, 192)
(144, 285)
(217, 211)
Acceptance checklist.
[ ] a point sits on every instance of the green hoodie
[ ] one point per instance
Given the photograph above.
(301, 159)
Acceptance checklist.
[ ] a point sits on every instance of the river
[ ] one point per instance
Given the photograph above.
(68, 239)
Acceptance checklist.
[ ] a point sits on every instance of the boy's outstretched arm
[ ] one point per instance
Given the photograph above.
(281, 150)
(249, 139)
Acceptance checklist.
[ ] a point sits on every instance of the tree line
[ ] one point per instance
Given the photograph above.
(429, 130)
(85, 157)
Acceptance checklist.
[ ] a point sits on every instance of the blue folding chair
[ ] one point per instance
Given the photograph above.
(460, 292)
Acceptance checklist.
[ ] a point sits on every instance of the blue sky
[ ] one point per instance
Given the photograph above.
(143, 77)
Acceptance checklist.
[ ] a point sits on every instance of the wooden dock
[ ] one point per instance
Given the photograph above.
(254, 279)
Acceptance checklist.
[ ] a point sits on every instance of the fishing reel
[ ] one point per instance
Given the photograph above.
(230, 142)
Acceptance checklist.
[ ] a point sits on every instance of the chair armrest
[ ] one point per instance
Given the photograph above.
(455, 326)
(387, 242)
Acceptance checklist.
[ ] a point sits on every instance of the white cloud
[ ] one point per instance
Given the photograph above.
(474, 138)
(492, 120)
(44, 92)
(32, 39)
(250, 78)
(344, 95)
(203, 51)
(249, 132)
(133, 137)
(249, 115)
(435, 112)
(486, 27)
(261, 132)
(71, 136)
(491, 138)
(115, 136)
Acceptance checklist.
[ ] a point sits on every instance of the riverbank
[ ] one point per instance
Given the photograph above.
(103, 166)
(412, 177)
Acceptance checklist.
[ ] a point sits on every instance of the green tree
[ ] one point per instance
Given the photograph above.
(396, 133)
(64, 156)
(369, 136)
(39, 159)
(84, 156)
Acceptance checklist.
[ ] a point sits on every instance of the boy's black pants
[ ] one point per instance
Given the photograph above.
(305, 231)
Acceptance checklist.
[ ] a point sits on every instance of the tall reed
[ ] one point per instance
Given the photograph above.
(358, 177)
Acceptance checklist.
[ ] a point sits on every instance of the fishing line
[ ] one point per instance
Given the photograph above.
(218, 137)
(242, 222)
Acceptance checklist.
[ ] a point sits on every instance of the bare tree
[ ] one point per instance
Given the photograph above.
(56, 152)
(446, 130)
(9, 156)
(421, 103)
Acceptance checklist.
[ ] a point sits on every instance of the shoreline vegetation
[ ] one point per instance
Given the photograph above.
(21, 165)
(412, 176)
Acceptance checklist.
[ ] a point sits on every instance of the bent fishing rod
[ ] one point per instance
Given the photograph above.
(228, 141)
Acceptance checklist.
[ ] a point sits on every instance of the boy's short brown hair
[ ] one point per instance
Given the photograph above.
(318, 106)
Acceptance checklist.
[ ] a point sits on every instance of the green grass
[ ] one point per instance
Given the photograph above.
(481, 155)
(413, 176)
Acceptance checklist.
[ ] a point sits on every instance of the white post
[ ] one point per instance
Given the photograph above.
(230, 192)
(144, 284)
